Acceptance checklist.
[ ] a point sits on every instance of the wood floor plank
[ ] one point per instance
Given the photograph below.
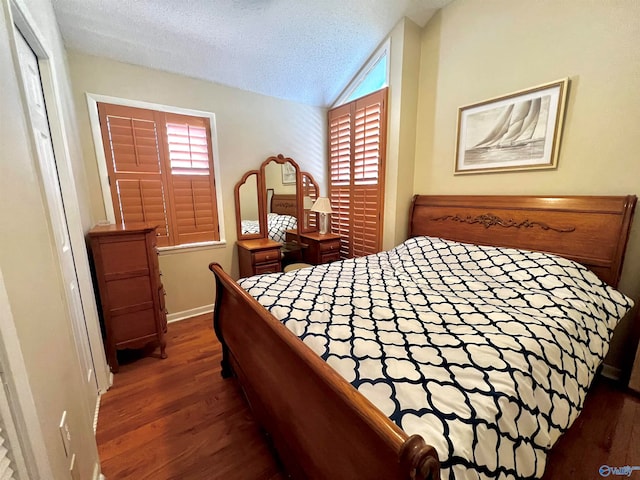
(605, 433)
(177, 419)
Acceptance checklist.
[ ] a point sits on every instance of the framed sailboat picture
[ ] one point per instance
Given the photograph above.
(519, 131)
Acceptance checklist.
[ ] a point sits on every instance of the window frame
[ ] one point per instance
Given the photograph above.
(383, 50)
(92, 103)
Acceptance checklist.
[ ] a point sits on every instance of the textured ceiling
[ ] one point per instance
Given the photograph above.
(300, 50)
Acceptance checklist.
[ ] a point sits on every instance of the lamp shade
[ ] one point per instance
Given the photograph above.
(322, 205)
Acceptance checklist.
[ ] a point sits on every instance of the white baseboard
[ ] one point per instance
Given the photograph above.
(611, 372)
(192, 312)
(95, 414)
(96, 473)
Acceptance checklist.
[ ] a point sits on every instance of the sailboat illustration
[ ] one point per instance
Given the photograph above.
(515, 126)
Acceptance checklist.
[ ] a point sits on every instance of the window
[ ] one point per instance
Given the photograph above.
(160, 168)
(357, 144)
(374, 80)
(373, 76)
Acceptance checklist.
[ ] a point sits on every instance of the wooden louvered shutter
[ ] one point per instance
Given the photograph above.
(193, 199)
(160, 169)
(357, 137)
(340, 174)
(130, 137)
(367, 192)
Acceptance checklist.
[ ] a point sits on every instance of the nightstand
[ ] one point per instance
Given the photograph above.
(319, 248)
(261, 255)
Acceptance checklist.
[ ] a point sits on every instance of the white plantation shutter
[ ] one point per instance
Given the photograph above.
(12, 465)
(6, 472)
(161, 172)
(356, 173)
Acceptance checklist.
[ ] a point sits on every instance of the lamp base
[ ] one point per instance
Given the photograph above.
(324, 223)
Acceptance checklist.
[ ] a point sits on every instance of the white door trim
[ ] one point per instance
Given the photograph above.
(18, 14)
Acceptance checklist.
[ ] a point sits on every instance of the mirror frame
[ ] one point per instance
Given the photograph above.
(280, 159)
(314, 215)
(262, 233)
(262, 199)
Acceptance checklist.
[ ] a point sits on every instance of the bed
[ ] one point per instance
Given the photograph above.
(281, 217)
(323, 427)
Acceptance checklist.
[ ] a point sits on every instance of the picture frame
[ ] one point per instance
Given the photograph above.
(288, 174)
(518, 131)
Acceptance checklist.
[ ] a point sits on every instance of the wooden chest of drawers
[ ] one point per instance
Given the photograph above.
(130, 289)
(258, 256)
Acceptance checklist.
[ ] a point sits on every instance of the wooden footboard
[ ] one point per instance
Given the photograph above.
(321, 427)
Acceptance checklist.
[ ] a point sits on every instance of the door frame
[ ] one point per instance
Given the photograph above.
(19, 16)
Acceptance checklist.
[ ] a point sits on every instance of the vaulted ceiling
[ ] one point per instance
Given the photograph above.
(301, 50)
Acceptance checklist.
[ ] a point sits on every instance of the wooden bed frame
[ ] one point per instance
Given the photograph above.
(321, 427)
(284, 204)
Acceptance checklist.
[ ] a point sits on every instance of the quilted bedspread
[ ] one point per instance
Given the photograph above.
(487, 353)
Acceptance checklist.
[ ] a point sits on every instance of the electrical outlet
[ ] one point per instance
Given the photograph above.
(65, 434)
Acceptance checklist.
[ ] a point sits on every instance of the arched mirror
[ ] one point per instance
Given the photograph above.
(248, 200)
(280, 177)
(275, 199)
(310, 193)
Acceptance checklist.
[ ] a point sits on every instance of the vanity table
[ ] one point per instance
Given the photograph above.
(273, 212)
(317, 248)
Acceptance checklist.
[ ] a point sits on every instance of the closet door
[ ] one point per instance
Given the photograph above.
(39, 124)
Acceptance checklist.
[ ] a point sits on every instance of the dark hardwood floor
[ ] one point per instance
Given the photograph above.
(178, 419)
(607, 432)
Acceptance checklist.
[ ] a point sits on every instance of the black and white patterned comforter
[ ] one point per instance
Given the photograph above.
(487, 353)
(250, 226)
(277, 226)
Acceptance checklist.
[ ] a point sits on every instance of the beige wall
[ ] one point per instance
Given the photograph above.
(28, 261)
(401, 130)
(472, 51)
(250, 128)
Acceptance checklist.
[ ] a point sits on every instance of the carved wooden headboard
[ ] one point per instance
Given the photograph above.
(284, 204)
(591, 230)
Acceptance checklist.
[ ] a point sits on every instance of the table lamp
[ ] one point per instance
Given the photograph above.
(323, 207)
